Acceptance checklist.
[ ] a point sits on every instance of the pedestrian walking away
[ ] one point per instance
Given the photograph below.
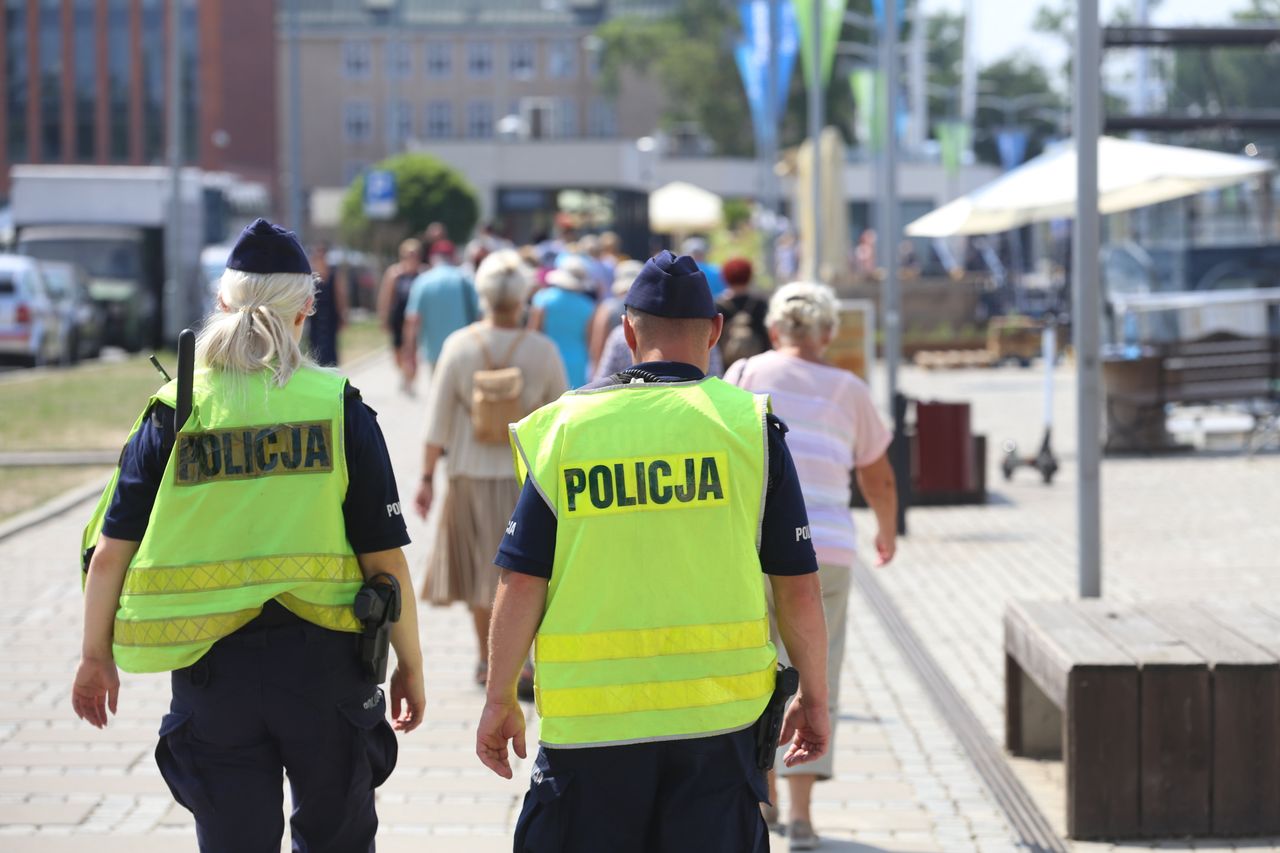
(441, 301)
(834, 431)
(230, 549)
(329, 311)
(563, 311)
(490, 374)
(393, 301)
(651, 504)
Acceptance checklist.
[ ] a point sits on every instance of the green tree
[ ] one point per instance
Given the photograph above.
(426, 191)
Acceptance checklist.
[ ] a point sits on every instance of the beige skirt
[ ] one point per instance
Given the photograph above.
(472, 521)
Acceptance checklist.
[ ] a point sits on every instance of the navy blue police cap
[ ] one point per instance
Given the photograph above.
(266, 248)
(672, 286)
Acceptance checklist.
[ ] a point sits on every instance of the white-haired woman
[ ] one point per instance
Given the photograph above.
(482, 486)
(833, 429)
(229, 549)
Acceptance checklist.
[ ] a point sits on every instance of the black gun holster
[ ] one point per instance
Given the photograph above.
(769, 727)
(377, 606)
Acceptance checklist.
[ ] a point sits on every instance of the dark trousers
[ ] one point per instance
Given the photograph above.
(701, 795)
(262, 703)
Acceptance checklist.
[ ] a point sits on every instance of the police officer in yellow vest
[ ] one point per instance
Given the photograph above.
(651, 503)
(228, 550)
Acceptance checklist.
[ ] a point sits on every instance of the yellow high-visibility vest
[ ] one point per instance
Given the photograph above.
(655, 626)
(249, 510)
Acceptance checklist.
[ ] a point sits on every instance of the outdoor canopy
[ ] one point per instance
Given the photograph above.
(1130, 175)
(680, 208)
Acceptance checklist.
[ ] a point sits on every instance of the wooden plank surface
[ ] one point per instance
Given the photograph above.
(1050, 638)
(1246, 750)
(1102, 753)
(1140, 637)
(1177, 749)
(1206, 635)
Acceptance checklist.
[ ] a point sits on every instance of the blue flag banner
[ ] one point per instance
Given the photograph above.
(1011, 142)
(753, 81)
(877, 6)
(788, 36)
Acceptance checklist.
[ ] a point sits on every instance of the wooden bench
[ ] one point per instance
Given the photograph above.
(1167, 715)
(1222, 369)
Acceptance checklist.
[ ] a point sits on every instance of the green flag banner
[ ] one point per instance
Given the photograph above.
(953, 139)
(870, 120)
(832, 21)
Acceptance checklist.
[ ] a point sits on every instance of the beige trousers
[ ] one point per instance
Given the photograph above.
(835, 582)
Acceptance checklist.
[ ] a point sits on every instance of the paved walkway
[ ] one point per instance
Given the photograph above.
(1194, 526)
(903, 783)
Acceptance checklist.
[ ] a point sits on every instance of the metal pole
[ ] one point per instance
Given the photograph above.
(175, 302)
(919, 75)
(887, 201)
(1087, 308)
(969, 71)
(768, 153)
(295, 197)
(815, 130)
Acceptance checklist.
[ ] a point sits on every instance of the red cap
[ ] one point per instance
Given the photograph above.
(442, 247)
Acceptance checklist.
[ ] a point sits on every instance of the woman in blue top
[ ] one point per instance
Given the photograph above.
(563, 311)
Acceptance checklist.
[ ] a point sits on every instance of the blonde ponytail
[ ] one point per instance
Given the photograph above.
(253, 331)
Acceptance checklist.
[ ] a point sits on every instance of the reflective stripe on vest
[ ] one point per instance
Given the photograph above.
(249, 509)
(655, 625)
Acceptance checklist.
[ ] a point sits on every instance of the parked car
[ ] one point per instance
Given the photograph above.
(31, 329)
(84, 320)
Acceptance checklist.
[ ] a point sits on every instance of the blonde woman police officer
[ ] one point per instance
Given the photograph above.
(229, 555)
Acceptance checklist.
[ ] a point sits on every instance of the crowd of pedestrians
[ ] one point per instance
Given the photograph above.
(523, 325)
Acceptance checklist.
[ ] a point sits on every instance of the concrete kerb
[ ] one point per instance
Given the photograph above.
(73, 498)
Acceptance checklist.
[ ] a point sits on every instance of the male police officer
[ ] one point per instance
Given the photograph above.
(650, 505)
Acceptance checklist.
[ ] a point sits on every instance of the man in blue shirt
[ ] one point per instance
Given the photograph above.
(696, 248)
(441, 301)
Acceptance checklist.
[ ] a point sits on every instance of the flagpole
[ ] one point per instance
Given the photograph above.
(815, 129)
(887, 200)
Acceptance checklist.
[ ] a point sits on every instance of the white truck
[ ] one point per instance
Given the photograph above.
(116, 222)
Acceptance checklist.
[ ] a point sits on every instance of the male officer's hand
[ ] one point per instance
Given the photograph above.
(408, 698)
(500, 721)
(807, 727)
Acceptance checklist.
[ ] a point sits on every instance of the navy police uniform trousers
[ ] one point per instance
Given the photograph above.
(700, 795)
(264, 701)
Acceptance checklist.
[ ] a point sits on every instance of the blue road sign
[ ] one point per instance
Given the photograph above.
(379, 194)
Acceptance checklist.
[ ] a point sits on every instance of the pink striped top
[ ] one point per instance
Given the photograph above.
(833, 428)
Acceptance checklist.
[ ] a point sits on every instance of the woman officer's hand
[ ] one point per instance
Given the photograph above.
(96, 688)
(408, 699)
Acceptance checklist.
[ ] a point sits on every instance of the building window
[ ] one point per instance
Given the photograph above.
(562, 58)
(357, 121)
(153, 74)
(479, 59)
(602, 118)
(479, 120)
(400, 123)
(565, 118)
(439, 124)
(86, 59)
(439, 59)
(522, 63)
(16, 79)
(357, 60)
(119, 71)
(399, 60)
(50, 80)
